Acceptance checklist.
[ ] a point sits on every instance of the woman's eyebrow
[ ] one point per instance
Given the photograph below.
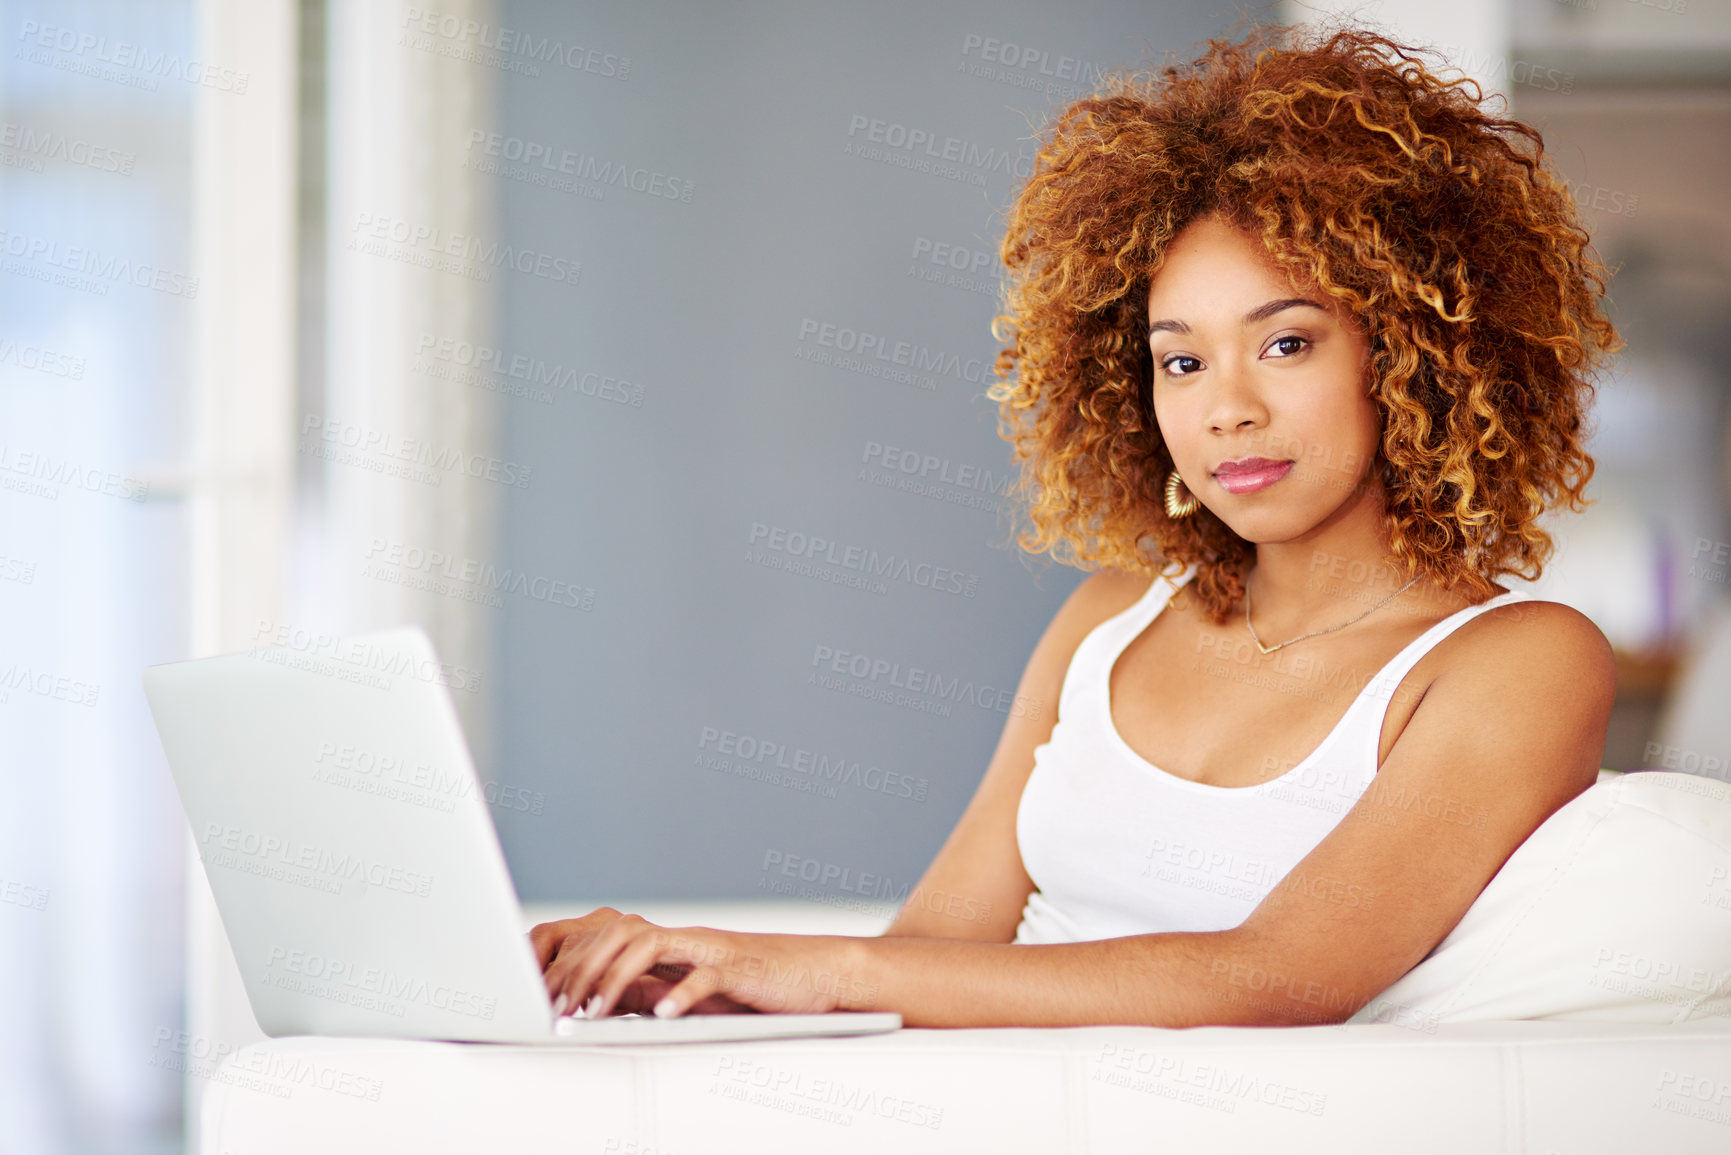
(1260, 313)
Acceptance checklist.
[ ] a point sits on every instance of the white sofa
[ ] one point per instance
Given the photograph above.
(1605, 1055)
(1467, 1088)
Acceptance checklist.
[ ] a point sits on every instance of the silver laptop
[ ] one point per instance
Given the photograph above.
(354, 861)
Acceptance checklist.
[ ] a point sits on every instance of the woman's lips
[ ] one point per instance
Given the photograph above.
(1253, 480)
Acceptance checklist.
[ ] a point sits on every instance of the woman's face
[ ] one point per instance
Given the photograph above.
(1241, 370)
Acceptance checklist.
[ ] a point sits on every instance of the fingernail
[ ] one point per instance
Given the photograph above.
(594, 1005)
(559, 1004)
(665, 1008)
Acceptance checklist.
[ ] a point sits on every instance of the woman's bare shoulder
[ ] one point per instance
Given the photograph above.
(1106, 593)
(1101, 596)
(1537, 635)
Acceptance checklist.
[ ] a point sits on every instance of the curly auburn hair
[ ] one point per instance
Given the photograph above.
(1397, 196)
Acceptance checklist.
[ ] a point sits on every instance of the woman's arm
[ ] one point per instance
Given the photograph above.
(1165, 980)
(976, 886)
(607, 961)
(1513, 728)
(1510, 730)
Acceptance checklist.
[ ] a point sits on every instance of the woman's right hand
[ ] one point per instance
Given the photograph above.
(646, 990)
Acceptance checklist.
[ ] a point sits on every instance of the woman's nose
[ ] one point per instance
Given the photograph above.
(1236, 404)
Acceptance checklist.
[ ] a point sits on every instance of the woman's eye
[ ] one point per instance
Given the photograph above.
(1289, 337)
(1171, 361)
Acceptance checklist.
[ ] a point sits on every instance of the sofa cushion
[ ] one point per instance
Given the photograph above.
(1580, 1088)
(1616, 909)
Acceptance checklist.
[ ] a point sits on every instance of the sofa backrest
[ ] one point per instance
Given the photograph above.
(1616, 909)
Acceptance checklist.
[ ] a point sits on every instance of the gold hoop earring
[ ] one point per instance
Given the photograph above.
(1177, 507)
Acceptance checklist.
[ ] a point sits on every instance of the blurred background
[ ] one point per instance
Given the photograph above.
(639, 353)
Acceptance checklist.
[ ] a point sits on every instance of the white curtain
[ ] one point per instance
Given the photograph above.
(309, 497)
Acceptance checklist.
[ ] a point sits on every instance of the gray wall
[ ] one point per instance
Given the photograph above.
(669, 510)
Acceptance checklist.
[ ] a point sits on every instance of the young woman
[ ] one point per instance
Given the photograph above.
(1300, 341)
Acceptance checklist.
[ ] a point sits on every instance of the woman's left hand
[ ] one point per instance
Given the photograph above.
(629, 964)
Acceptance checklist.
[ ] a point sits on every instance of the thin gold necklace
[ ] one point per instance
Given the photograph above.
(1313, 633)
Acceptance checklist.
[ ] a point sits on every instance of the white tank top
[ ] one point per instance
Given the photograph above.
(1116, 846)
